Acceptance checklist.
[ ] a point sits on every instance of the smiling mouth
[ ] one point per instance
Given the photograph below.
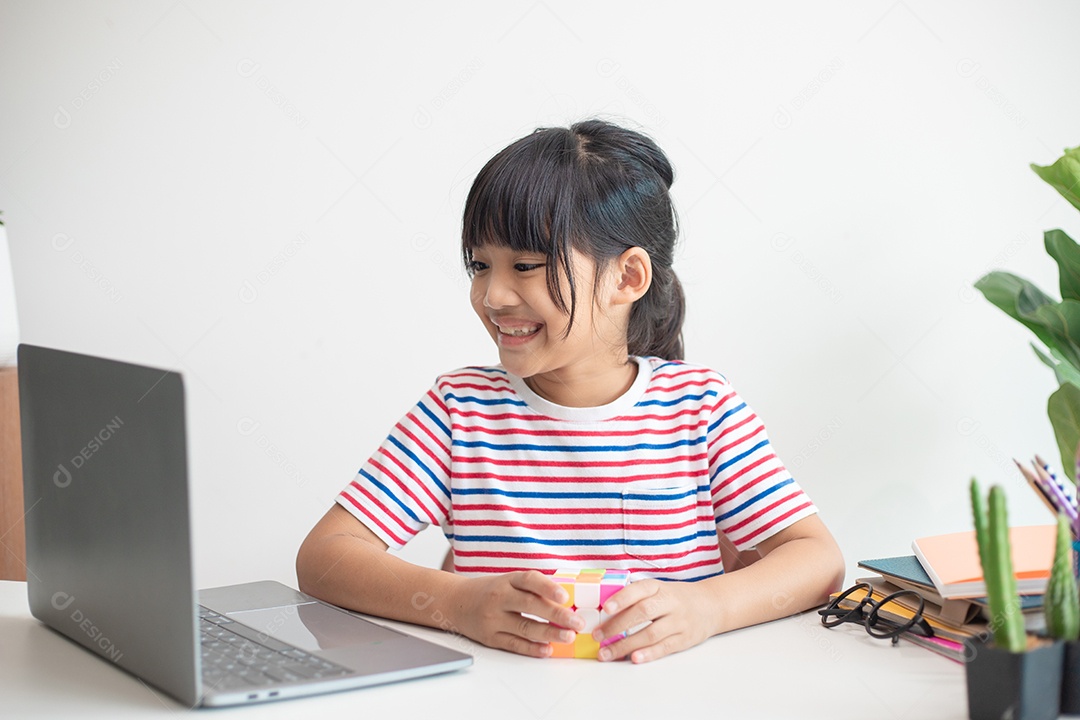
(522, 331)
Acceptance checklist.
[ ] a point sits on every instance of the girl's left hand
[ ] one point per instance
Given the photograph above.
(677, 612)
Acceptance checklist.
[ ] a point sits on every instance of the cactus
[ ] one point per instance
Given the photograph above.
(995, 555)
(1061, 602)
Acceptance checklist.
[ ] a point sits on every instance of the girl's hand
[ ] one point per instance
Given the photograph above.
(489, 610)
(677, 613)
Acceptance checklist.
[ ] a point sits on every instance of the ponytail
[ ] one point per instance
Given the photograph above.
(656, 319)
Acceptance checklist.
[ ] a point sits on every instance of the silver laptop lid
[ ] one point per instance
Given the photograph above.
(108, 545)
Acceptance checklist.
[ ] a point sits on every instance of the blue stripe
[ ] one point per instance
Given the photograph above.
(667, 364)
(485, 369)
(725, 416)
(725, 465)
(584, 541)
(756, 498)
(650, 496)
(703, 577)
(485, 401)
(548, 495)
(415, 459)
(581, 448)
(392, 496)
(676, 401)
(434, 419)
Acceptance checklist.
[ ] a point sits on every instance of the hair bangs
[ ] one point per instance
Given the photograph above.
(521, 197)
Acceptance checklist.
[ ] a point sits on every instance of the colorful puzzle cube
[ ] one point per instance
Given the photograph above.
(588, 590)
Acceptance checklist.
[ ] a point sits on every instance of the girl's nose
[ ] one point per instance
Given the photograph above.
(499, 292)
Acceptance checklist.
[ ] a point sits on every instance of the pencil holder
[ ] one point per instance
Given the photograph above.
(1070, 679)
(1076, 558)
(1019, 686)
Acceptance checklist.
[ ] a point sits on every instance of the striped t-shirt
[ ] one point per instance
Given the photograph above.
(642, 484)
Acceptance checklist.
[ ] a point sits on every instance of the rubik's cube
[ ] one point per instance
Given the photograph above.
(588, 590)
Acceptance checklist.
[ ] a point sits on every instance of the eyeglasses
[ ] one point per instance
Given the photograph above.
(885, 618)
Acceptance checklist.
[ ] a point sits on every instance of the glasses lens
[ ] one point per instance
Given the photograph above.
(847, 606)
(892, 617)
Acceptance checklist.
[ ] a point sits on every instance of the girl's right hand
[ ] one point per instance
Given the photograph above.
(489, 610)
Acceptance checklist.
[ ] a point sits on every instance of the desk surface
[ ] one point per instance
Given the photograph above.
(792, 668)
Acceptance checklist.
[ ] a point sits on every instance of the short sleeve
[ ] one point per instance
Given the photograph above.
(404, 486)
(753, 494)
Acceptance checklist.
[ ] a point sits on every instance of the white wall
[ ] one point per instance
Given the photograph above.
(267, 198)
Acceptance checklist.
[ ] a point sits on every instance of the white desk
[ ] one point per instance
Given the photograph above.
(791, 668)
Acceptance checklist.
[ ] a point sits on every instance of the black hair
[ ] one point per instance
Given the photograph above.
(595, 187)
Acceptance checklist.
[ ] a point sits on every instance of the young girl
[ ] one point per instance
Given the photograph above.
(591, 444)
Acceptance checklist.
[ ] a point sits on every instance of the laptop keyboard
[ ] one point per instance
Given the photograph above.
(236, 656)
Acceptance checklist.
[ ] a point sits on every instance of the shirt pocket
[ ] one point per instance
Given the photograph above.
(663, 522)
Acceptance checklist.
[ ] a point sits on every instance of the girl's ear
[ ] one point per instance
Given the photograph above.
(634, 272)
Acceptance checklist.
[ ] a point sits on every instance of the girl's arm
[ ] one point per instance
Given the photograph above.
(343, 562)
(799, 567)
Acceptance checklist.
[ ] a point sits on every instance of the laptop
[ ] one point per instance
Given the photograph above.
(108, 553)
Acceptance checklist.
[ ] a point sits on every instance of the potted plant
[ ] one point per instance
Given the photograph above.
(1061, 604)
(1013, 676)
(1056, 324)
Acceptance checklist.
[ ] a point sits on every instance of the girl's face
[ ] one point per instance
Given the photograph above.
(510, 296)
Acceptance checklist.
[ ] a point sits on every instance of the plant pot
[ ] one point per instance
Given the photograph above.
(1017, 686)
(1070, 679)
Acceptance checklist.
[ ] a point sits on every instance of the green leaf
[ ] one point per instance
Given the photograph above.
(1062, 320)
(1064, 370)
(1064, 411)
(1009, 293)
(1063, 175)
(1067, 253)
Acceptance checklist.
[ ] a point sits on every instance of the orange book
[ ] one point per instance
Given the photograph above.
(952, 561)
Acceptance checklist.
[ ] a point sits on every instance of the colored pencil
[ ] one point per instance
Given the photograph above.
(1033, 482)
(1057, 495)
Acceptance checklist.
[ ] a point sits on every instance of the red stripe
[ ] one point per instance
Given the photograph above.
(642, 569)
(736, 426)
(577, 511)
(416, 441)
(576, 433)
(735, 476)
(549, 556)
(739, 441)
(458, 522)
(492, 377)
(497, 416)
(687, 371)
(770, 524)
(771, 506)
(374, 519)
(743, 488)
(680, 386)
(386, 473)
(579, 463)
(577, 478)
(664, 418)
(438, 401)
(454, 411)
(423, 485)
(474, 386)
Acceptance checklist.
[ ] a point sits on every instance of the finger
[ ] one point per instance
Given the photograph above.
(632, 593)
(632, 614)
(646, 645)
(545, 610)
(542, 632)
(521, 646)
(539, 584)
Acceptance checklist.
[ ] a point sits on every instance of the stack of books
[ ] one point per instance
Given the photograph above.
(945, 571)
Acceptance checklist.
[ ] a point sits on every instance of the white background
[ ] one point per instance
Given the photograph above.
(267, 197)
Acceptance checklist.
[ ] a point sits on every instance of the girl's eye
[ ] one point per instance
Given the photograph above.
(476, 266)
(526, 267)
